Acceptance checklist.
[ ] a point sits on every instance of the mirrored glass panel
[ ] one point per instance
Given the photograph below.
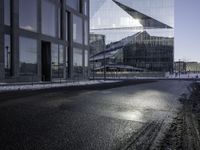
(57, 61)
(48, 18)
(61, 61)
(85, 7)
(86, 32)
(7, 55)
(139, 35)
(86, 58)
(28, 14)
(59, 23)
(78, 61)
(77, 29)
(7, 12)
(54, 60)
(28, 56)
(73, 4)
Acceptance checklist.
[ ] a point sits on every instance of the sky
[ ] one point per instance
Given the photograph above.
(187, 30)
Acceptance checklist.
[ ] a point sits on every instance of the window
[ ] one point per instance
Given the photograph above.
(7, 12)
(86, 58)
(57, 60)
(61, 61)
(78, 61)
(28, 56)
(67, 63)
(73, 4)
(48, 18)
(7, 55)
(77, 29)
(86, 32)
(28, 14)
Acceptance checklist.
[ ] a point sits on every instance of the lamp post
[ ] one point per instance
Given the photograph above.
(104, 70)
(179, 68)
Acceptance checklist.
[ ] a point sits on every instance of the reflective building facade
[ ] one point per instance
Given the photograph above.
(43, 40)
(140, 33)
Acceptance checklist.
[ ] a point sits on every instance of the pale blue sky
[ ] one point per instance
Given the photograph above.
(187, 30)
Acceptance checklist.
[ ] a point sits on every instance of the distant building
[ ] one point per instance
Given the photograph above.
(43, 40)
(192, 67)
(186, 67)
(180, 66)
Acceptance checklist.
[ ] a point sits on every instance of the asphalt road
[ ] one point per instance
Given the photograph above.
(96, 118)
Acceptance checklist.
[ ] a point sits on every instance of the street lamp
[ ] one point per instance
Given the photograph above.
(179, 68)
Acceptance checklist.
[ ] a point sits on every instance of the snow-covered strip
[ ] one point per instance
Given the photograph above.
(184, 76)
(6, 87)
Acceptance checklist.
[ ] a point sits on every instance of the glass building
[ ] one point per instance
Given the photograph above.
(43, 40)
(139, 34)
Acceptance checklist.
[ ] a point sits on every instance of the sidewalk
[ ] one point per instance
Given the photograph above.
(7, 87)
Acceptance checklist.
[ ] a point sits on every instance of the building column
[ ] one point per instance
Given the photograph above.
(63, 27)
(15, 38)
(2, 72)
(39, 42)
(70, 47)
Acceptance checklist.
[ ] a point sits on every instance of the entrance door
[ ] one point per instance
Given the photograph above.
(46, 61)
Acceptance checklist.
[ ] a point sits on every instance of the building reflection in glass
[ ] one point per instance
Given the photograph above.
(139, 34)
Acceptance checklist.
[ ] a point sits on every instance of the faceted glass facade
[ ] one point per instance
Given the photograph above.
(43, 40)
(114, 19)
(138, 33)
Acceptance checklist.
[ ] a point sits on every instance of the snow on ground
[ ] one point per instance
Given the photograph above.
(4, 87)
(184, 76)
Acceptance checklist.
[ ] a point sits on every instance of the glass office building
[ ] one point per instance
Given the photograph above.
(124, 21)
(43, 40)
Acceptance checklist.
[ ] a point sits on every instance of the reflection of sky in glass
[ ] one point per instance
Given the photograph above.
(109, 15)
(48, 18)
(109, 19)
(162, 10)
(28, 14)
(73, 4)
(77, 29)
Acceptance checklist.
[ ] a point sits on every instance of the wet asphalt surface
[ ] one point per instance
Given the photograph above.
(93, 117)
